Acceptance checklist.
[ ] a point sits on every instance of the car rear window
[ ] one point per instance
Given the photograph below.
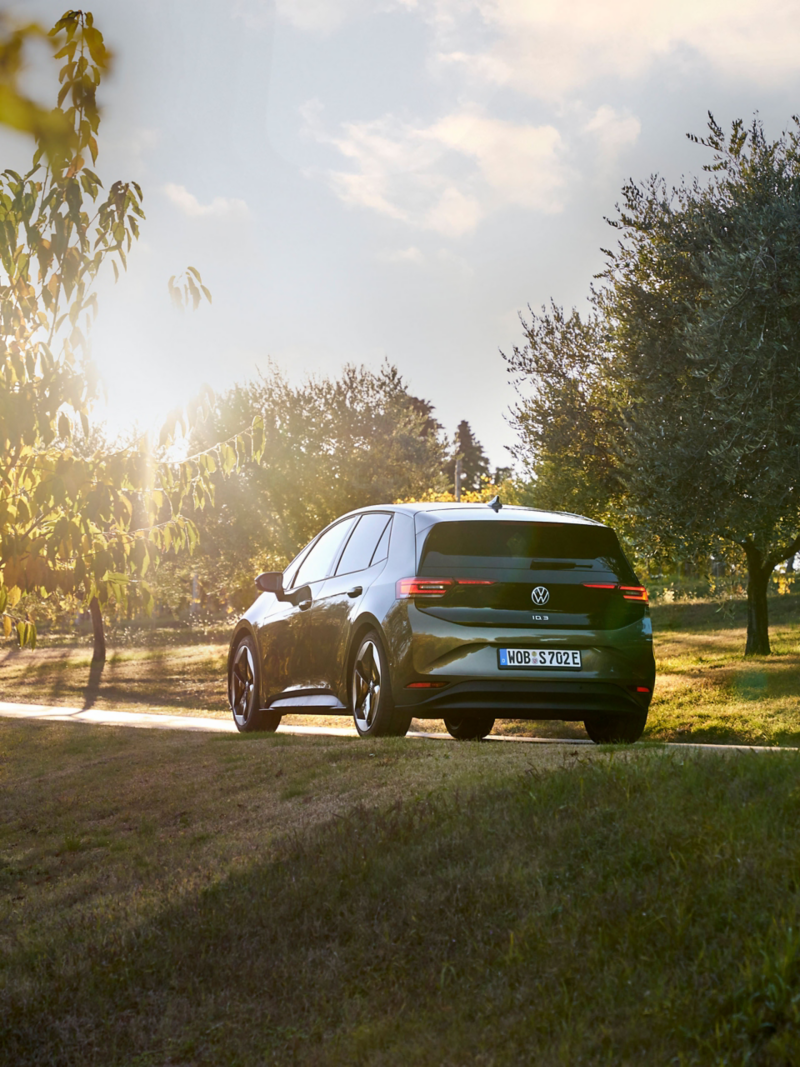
(523, 546)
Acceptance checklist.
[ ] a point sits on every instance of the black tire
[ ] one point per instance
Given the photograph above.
(621, 729)
(371, 700)
(244, 691)
(464, 726)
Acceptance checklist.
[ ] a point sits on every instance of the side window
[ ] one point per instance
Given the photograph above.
(363, 543)
(290, 570)
(382, 551)
(319, 561)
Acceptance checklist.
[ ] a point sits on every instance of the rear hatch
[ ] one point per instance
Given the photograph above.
(527, 574)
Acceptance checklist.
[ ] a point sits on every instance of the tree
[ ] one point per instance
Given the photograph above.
(568, 419)
(696, 321)
(331, 444)
(71, 522)
(474, 463)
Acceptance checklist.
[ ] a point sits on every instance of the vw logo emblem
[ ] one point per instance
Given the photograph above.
(540, 595)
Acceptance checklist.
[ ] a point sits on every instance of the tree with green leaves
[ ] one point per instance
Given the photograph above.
(94, 524)
(331, 444)
(474, 462)
(691, 360)
(568, 419)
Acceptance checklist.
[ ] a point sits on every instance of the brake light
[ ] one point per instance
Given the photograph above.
(432, 587)
(634, 592)
(407, 587)
(599, 585)
(425, 685)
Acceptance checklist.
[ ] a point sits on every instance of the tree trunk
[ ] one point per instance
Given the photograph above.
(758, 575)
(98, 633)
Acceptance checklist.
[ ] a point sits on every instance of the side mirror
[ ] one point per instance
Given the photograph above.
(271, 582)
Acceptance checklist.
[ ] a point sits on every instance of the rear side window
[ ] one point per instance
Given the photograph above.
(363, 543)
(382, 551)
(524, 546)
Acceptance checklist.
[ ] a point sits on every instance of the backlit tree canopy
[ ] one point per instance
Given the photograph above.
(688, 365)
(72, 522)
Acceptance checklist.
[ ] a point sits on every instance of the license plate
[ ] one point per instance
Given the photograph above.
(537, 658)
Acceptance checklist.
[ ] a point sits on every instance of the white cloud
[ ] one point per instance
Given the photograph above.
(402, 255)
(323, 16)
(551, 50)
(447, 176)
(220, 206)
(521, 163)
(613, 133)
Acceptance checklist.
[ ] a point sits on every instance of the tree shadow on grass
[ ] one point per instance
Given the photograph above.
(92, 690)
(389, 936)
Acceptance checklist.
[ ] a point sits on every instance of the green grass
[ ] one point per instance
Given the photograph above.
(707, 691)
(165, 900)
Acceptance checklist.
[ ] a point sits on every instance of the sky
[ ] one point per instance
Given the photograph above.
(395, 179)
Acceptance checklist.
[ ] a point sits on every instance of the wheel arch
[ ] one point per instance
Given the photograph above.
(363, 625)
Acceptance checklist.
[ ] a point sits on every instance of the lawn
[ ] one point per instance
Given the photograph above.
(192, 899)
(705, 690)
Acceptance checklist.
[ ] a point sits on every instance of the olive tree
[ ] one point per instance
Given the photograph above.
(688, 362)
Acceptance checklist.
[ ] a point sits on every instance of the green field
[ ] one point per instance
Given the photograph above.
(193, 899)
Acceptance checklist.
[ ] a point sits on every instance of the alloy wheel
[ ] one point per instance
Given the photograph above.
(243, 680)
(366, 685)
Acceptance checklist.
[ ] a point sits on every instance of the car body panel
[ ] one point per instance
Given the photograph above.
(306, 652)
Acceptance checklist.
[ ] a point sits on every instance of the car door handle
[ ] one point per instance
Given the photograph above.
(355, 591)
(304, 605)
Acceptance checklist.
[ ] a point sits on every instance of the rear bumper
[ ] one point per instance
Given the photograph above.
(532, 700)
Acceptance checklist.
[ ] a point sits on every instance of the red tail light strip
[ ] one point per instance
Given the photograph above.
(634, 592)
(629, 592)
(431, 587)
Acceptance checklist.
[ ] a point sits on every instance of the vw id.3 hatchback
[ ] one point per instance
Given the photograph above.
(460, 612)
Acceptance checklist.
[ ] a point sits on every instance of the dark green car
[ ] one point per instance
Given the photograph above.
(461, 612)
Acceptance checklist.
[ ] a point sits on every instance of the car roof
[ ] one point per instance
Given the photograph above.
(450, 511)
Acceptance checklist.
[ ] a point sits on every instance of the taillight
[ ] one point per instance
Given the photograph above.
(634, 592)
(406, 587)
(629, 592)
(425, 685)
(432, 587)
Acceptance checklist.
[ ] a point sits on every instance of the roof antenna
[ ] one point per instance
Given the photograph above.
(495, 504)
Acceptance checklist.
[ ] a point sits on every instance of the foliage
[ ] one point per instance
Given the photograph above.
(686, 366)
(510, 491)
(474, 463)
(570, 431)
(52, 127)
(72, 521)
(330, 445)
